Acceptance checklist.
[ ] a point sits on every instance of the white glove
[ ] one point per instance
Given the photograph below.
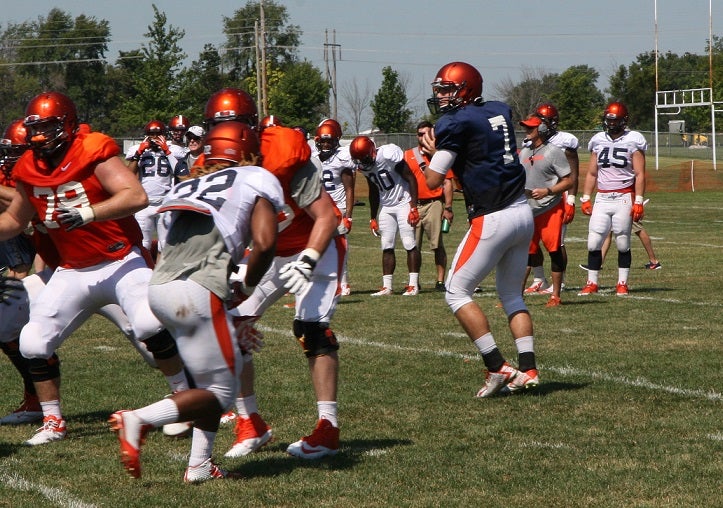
(297, 274)
(249, 338)
(73, 217)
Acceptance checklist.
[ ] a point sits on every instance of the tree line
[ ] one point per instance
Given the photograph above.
(69, 54)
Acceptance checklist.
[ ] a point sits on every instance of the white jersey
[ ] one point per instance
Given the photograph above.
(564, 141)
(393, 189)
(157, 172)
(331, 170)
(178, 151)
(229, 196)
(615, 159)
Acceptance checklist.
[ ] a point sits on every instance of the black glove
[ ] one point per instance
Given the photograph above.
(9, 289)
(73, 218)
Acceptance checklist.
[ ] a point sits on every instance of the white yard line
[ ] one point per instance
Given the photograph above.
(56, 497)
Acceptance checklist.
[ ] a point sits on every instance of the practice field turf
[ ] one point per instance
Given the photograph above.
(628, 412)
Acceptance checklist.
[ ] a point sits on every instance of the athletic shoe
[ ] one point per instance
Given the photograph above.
(536, 286)
(345, 290)
(546, 291)
(323, 441)
(621, 289)
(527, 380)
(589, 289)
(228, 417)
(439, 286)
(131, 436)
(205, 471)
(53, 429)
(28, 412)
(383, 292)
(653, 266)
(584, 267)
(554, 301)
(251, 434)
(495, 381)
(410, 291)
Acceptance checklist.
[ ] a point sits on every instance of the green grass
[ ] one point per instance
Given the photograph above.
(628, 413)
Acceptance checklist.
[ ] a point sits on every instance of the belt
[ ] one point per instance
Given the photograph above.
(421, 202)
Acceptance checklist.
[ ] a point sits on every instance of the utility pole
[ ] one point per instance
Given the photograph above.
(264, 91)
(332, 48)
(259, 95)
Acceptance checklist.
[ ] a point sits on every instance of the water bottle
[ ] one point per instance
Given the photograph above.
(445, 225)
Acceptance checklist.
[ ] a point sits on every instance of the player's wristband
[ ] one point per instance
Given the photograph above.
(87, 214)
(585, 198)
(571, 199)
(639, 200)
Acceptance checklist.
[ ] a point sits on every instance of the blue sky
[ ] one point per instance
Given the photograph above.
(502, 38)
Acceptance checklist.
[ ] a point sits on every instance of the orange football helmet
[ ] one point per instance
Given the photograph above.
(334, 125)
(363, 151)
(550, 117)
(326, 139)
(459, 82)
(51, 120)
(231, 142)
(154, 128)
(231, 104)
(615, 118)
(12, 145)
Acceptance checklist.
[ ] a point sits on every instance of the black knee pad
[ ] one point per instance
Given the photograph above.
(317, 339)
(625, 259)
(594, 259)
(161, 345)
(44, 370)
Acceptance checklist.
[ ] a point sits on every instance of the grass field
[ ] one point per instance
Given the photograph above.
(628, 412)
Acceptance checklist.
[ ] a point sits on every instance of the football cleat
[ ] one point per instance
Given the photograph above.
(554, 301)
(205, 471)
(323, 441)
(228, 417)
(28, 412)
(653, 266)
(131, 436)
(345, 290)
(439, 286)
(251, 434)
(411, 291)
(621, 289)
(495, 381)
(527, 380)
(589, 289)
(53, 429)
(546, 291)
(383, 292)
(537, 286)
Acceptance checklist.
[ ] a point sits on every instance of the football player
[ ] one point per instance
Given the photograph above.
(393, 186)
(476, 138)
(177, 128)
(206, 242)
(617, 169)
(84, 196)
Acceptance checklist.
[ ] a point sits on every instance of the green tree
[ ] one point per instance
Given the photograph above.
(390, 104)
(155, 90)
(300, 96)
(199, 82)
(578, 99)
(523, 97)
(282, 39)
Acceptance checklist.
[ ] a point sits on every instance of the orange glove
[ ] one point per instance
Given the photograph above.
(586, 206)
(637, 212)
(413, 217)
(569, 213)
(161, 142)
(374, 226)
(142, 148)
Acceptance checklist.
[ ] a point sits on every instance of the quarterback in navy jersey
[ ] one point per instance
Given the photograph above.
(477, 140)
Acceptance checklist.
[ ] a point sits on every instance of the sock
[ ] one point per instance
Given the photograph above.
(525, 352)
(327, 411)
(486, 343)
(538, 272)
(246, 406)
(387, 281)
(51, 408)
(592, 276)
(623, 274)
(159, 413)
(201, 446)
(414, 279)
(178, 382)
(490, 354)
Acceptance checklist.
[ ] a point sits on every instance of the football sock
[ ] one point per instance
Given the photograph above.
(414, 279)
(486, 343)
(159, 413)
(525, 352)
(327, 411)
(538, 272)
(387, 281)
(201, 446)
(246, 406)
(623, 274)
(592, 276)
(51, 408)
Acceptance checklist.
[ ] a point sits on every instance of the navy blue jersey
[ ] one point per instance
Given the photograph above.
(483, 138)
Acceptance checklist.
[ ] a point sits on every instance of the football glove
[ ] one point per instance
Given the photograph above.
(637, 212)
(569, 214)
(74, 217)
(239, 293)
(413, 217)
(163, 145)
(345, 226)
(9, 289)
(249, 338)
(586, 205)
(297, 274)
(374, 227)
(143, 147)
